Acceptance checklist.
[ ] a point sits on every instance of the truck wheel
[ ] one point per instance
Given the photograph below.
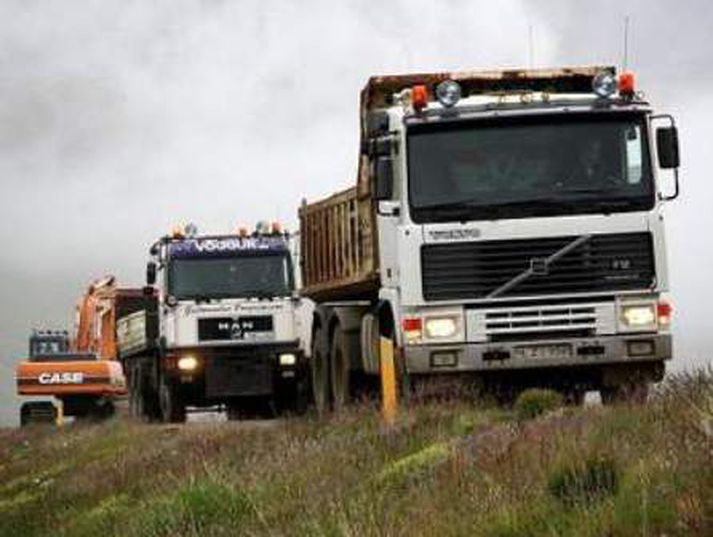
(340, 366)
(573, 396)
(319, 372)
(635, 393)
(103, 410)
(37, 412)
(136, 399)
(173, 409)
(136, 407)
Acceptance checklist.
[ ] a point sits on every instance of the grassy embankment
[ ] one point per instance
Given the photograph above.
(447, 469)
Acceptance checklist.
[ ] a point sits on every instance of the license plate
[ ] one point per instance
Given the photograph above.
(543, 352)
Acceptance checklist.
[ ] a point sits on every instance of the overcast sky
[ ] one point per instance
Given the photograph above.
(119, 119)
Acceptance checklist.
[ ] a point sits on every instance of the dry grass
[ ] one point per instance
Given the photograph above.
(448, 468)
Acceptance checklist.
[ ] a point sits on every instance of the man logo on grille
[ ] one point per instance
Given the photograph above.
(236, 331)
(538, 266)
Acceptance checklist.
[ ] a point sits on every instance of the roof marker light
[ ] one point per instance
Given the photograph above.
(177, 233)
(627, 83)
(419, 97)
(448, 93)
(604, 84)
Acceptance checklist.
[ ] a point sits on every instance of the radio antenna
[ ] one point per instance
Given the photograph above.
(625, 60)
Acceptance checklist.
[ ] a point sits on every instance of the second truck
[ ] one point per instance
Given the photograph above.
(221, 329)
(505, 227)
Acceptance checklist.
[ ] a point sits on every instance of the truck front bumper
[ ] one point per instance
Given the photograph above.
(245, 371)
(533, 354)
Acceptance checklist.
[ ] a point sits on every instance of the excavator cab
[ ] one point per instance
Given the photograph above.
(46, 344)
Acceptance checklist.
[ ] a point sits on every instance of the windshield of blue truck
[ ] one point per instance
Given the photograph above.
(529, 166)
(231, 277)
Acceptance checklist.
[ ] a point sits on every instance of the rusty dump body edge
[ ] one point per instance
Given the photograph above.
(338, 234)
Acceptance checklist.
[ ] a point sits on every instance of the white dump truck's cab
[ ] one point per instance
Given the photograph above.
(517, 220)
(226, 329)
(524, 231)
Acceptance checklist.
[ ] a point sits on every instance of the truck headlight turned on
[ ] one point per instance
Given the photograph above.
(505, 226)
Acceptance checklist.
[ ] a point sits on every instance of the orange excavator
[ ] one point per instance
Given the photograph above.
(81, 372)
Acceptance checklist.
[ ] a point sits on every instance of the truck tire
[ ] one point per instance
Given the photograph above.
(319, 371)
(37, 412)
(340, 369)
(173, 409)
(136, 399)
(103, 410)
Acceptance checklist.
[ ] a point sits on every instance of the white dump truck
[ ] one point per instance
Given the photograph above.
(505, 227)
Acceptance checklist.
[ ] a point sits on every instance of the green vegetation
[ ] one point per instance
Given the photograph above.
(447, 468)
(534, 402)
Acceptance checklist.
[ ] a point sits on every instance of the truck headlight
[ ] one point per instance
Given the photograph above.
(288, 359)
(187, 363)
(441, 327)
(638, 316)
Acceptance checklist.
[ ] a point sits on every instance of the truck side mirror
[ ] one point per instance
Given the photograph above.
(384, 178)
(667, 147)
(150, 273)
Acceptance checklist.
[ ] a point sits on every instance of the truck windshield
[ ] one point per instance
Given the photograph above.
(245, 276)
(529, 166)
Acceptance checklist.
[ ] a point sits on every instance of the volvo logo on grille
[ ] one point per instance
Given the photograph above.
(538, 266)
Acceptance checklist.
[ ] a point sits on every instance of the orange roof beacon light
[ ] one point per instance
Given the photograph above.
(277, 228)
(627, 84)
(177, 233)
(242, 231)
(419, 97)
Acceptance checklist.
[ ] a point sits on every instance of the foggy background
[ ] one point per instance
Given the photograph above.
(120, 119)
